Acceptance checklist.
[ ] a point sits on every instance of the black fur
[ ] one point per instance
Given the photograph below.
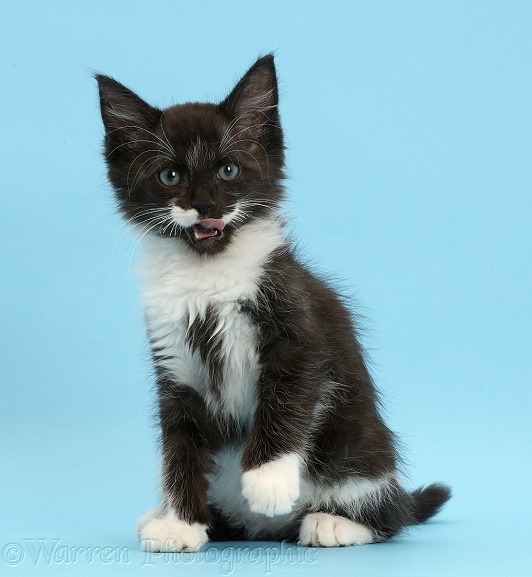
(315, 394)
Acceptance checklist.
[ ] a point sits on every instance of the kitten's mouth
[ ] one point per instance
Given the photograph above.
(207, 228)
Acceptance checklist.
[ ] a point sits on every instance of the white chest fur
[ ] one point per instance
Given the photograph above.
(180, 286)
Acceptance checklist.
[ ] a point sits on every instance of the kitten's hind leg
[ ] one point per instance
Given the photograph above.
(325, 530)
(356, 512)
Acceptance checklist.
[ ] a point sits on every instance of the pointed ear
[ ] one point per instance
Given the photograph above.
(253, 102)
(121, 108)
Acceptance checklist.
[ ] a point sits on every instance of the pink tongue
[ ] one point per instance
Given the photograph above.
(207, 227)
(212, 223)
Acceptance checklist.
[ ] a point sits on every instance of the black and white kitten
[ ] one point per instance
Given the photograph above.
(269, 419)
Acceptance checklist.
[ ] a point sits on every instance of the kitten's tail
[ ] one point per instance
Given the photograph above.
(427, 501)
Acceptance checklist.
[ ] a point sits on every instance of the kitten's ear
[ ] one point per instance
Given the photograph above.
(122, 109)
(253, 101)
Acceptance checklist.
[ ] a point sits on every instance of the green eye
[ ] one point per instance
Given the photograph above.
(169, 176)
(228, 171)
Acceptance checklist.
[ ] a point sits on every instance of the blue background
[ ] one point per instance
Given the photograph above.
(409, 130)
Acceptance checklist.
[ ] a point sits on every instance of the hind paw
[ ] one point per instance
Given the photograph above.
(324, 530)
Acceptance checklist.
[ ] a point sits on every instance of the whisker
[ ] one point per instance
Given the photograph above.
(256, 160)
(138, 175)
(157, 156)
(148, 227)
(128, 225)
(164, 133)
(166, 145)
(129, 143)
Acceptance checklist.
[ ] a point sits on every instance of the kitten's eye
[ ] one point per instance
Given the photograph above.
(228, 171)
(169, 176)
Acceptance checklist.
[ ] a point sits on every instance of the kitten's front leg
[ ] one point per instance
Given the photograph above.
(186, 458)
(274, 454)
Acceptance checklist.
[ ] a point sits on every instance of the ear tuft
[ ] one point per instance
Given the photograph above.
(253, 102)
(121, 107)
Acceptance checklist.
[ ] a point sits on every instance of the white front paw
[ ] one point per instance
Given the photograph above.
(150, 515)
(169, 533)
(273, 488)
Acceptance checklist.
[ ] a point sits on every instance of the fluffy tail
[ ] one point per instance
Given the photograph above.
(427, 501)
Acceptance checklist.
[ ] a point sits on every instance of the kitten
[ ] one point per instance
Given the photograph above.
(269, 419)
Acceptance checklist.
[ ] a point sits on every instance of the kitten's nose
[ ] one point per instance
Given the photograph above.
(203, 209)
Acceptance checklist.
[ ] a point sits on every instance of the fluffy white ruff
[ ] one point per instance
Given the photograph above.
(169, 533)
(180, 286)
(273, 488)
(324, 530)
(178, 282)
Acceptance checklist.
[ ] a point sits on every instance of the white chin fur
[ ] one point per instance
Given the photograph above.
(273, 488)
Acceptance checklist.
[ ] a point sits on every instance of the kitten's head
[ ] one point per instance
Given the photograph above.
(196, 172)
